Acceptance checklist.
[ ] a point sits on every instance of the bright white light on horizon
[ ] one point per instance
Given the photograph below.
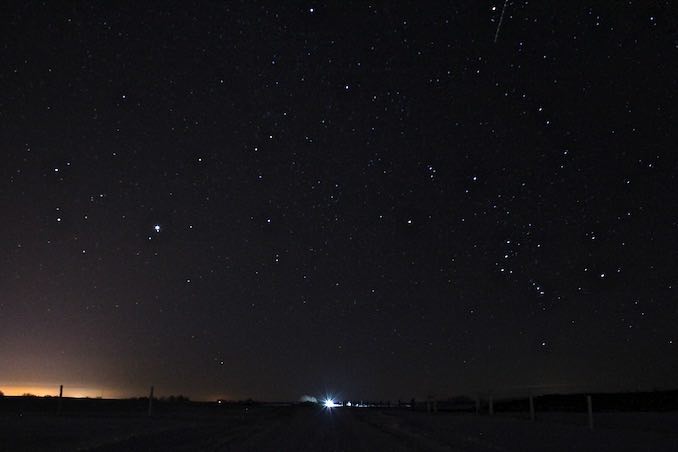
(329, 403)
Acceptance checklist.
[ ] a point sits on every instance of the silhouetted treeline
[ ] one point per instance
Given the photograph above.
(246, 402)
(623, 401)
(627, 401)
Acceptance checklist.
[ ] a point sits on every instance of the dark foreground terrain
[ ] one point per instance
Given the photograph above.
(311, 428)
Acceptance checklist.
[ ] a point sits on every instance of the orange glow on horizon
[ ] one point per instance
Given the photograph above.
(78, 392)
(53, 390)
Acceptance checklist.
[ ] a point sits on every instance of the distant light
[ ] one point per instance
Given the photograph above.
(156, 228)
(329, 403)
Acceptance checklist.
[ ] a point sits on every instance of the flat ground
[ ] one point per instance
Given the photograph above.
(340, 429)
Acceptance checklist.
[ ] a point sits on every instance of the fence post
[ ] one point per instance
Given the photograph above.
(150, 403)
(491, 407)
(589, 406)
(477, 404)
(531, 407)
(61, 394)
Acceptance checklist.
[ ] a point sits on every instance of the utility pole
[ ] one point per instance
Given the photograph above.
(61, 395)
(589, 407)
(150, 403)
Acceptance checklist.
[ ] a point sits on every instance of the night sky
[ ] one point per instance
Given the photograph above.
(248, 199)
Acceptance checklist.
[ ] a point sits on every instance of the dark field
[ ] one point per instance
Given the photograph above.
(103, 425)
